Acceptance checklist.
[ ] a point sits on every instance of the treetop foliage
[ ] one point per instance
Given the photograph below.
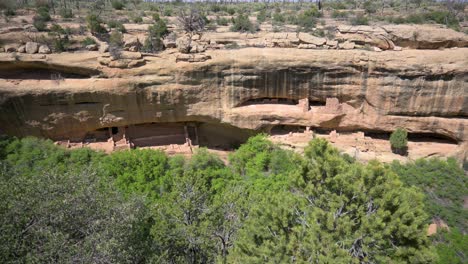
(267, 205)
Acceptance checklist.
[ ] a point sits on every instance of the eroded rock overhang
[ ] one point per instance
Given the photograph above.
(251, 89)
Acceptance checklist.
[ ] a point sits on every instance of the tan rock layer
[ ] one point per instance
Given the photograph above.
(423, 91)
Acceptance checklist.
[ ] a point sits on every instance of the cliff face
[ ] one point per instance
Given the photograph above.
(238, 92)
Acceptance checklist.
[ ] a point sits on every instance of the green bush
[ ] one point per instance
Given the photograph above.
(137, 19)
(370, 7)
(399, 141)
(445, 185)
(60, 38)
(117, 5)
(278, 18)
(39, 24)
(43, 13)
(156, 17)
(158, 29)
(167, 11)
(262, 16)
(330, 208)
(222, 21)
(117, 25)
(359, 20)
(87, 41)
(231, 11)
(116, 39)
(451, 246)
(308, 19)
(156, 32)
(66, 13)
(339, 14)
(94, 24)
(440, 17)
(242, 23)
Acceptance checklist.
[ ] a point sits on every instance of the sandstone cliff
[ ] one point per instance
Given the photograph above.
(239, 92)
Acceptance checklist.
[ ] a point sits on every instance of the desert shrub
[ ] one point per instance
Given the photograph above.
(399, 141)
(39, 24)
(116, 39)
(337, 5)
(440, 17)
(222, 21)
(87, 41)
(167, 11)
(370, 7)
(41, 17)
(278, 18)
(60, 38)
(242, 23)
(94, 24)
(359, 20)
(156, 32)
(66, 13)
(159, 29)
(339, 14)
(137, 19)
(43, 13)
(444, 18)
(414, 19)
(308, 19)
(215, 8)
(231, 11)
(156, 17)
(192, 20)
(262, 16)
(117, 5)
(117, 25)
(396, 19)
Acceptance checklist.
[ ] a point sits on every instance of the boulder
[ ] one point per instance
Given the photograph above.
(103, 47)
(44, 49)
(22, 49)
(123, 63)
(169, 43)
(92, 47)
(131, 55)
(193, 57)
(332, 43)
(310, 39)
(197, 48)
(377, 49)
(132, 43)
(104, 60)
(397, 48)
(183, 44)
(307, 46)
(347, 45)
(134, 49)
(32, 47)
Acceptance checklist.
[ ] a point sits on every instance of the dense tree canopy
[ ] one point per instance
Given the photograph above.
(268, 205)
